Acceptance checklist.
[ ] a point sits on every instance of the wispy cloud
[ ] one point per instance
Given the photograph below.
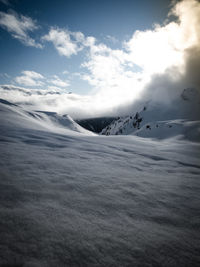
(111, 38)
(59, 83)
(19, 27)
(5, 75)
(9, 90)
(30, 78)
(66, 43)
(34, 79)
(65, 72)
(5, 2)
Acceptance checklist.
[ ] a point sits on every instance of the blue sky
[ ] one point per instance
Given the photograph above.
(107, 54)
(110, 22)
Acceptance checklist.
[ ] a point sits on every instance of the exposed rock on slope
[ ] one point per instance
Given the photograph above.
(95, 124)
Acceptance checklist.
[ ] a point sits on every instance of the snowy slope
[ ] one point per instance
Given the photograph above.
(73, 199)
(40, 120)
(159, 121)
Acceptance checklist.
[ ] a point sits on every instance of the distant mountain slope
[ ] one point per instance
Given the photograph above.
(95, 124)
(159, 121)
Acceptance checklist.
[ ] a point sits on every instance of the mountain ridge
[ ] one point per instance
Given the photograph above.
(155, 120)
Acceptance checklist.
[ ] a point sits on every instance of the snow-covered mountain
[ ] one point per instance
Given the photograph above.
(157, 120)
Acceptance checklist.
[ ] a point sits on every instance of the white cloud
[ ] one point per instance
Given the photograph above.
(30, 78)
(53, 88)
(58, 82)
(152, 53)
(63, 41)
(35, 79)
(68, 43)
(110, 75)
(89, 41)
(78, 36)
(19, 26)
(33, 74)
(65, 72)
(163, 47)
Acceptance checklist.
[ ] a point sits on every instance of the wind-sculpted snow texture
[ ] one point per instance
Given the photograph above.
(73, 199)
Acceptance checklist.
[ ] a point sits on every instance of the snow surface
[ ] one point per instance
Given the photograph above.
(72, 198)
